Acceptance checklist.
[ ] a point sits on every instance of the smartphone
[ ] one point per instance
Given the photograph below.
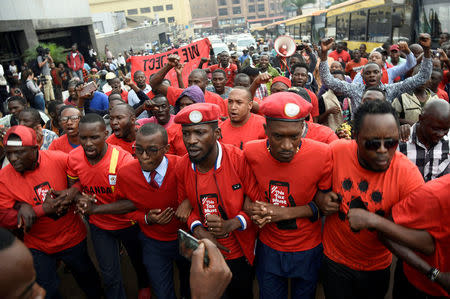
(187, 245)
(88, 88)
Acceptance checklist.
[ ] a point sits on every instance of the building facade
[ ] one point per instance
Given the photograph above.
(24, 23)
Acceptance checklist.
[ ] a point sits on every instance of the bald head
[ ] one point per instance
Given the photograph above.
(199, 72)
(437, 108)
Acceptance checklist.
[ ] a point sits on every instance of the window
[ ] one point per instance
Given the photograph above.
(98, 27)
(342, 27)
(162, 20)
(379, 24)
(222, 2)
(297, 31)
(260, 7)
(119, 11)
(223, 11)
(318, 30)
(251, 8)
(145, 9)
(434, 17)
(237, 10)
(132, 11)
(224, 22)
(238, 21)
(331, 26)
(305, 31)
(170, 19)
(158, 8)
(358, 22)
(236, 1)
(251, 17)
(272, 6)
(169, 7)
(251, 1)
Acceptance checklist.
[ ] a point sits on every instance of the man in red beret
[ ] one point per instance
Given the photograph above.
(31, 190)
(196, 77)
(279, 84)
(216, 180)
(241, 126)
(290, 170)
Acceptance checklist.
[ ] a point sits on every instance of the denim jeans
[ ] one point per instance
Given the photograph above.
(77, 260)
(39, 102)
(106, 246)
(78, 74)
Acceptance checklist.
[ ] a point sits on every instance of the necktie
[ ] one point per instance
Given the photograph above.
(153, 183)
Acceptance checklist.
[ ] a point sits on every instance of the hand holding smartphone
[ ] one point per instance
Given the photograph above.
(187, 245)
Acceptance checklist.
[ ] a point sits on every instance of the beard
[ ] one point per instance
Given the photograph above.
(202, 158)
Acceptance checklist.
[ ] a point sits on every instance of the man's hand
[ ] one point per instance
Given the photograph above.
(65, 198)
(126, 80)
(26, 216)
(342, 134)
(158, 217)
(219, 227)
(173, 60)
(86, 204)
(204, 60)
(405, 132)
(425, 41)
(443, 56)
(325, 45)
(403, 46)
(269, 212)
(334, 110)
(179, 69)
(328, 202)
(183, 211)
(360, 219)
(50, 204)
(208, 281)
(443, 278)
(263, 78)
(201, 233)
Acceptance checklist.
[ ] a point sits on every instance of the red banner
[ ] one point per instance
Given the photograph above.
(190, 56)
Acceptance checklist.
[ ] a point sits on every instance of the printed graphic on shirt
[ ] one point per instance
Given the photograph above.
(41, 191)
(280, 196)
(210, 205)
(97, 190)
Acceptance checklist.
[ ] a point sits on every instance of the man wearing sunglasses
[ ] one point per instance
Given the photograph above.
(150, 183)
(368, 173)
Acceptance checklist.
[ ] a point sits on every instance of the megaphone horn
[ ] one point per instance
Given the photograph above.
(285, 46)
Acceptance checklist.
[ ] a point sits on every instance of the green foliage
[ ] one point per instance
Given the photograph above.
(58, 53)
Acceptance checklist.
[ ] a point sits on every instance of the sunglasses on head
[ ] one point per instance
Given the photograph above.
(374, 144)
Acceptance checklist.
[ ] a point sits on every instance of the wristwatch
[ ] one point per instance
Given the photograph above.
(433, 274)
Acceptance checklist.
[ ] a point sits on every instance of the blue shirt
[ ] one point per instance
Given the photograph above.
(99, 102)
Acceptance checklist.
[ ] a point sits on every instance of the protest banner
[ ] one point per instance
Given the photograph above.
(190, 56)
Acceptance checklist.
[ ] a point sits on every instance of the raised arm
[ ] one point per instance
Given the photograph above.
(312, 58)
(403, 68)
(157, 79)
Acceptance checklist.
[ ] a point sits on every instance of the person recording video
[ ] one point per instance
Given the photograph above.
(44, 59)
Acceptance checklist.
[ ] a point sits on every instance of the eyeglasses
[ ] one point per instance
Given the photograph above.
(374, 144)
(149, 151)
(65, 119)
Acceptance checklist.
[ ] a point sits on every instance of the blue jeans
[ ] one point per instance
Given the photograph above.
(39, 102)
(158, 258)
(77, 260)
(106, 246)
(78, 74)
(273, 268)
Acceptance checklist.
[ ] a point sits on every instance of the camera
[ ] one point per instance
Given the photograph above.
(43, 51)
(41, 79)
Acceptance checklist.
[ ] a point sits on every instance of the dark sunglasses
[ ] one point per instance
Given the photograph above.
(374, 144)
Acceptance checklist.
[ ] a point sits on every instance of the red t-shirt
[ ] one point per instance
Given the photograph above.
(314, 103)
(49, 234)
(428, 208)
(173, 93)
(125, 145)
(61, 144)
(284, 185)
(123, 94)
(252, 130)
(341, 57)
(319, 133)
(95, 179)
(353, 67)
(221, 191)
(176, 143)
(376, 192)
(153, 120)
(132, 185)
(231, 72)
(444, 79)
(442, 94)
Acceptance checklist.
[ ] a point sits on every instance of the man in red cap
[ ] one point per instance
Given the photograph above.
(36, 182)
(196, 77)
(216, 180)
(279, 84)
(394, 58)
(242, 125)
(290, 170)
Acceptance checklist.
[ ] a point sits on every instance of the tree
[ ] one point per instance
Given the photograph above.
(298, 3)
(57, 52)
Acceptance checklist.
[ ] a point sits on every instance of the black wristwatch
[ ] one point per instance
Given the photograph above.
(433, 274)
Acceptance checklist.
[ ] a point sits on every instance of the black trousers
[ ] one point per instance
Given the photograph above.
(341, 282)
(241, 285)
(404, 289)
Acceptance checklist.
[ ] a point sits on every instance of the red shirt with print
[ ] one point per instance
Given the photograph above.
(49, 234)
(132, 185)
(376, 192)
(289, 185)
(230, 70)
(341, 57)
(252, 130)
(428, 208)
(96, 180)
(353, 67)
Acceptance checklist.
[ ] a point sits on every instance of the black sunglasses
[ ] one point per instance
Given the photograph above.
(374, 144)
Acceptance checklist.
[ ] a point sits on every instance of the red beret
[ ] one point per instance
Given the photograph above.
(27, 136)
(199, 113)
(282, 79)
(286, 106)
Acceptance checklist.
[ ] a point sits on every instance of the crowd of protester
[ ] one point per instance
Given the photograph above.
(310, 169)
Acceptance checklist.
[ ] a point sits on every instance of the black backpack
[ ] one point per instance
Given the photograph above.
(34, 66)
